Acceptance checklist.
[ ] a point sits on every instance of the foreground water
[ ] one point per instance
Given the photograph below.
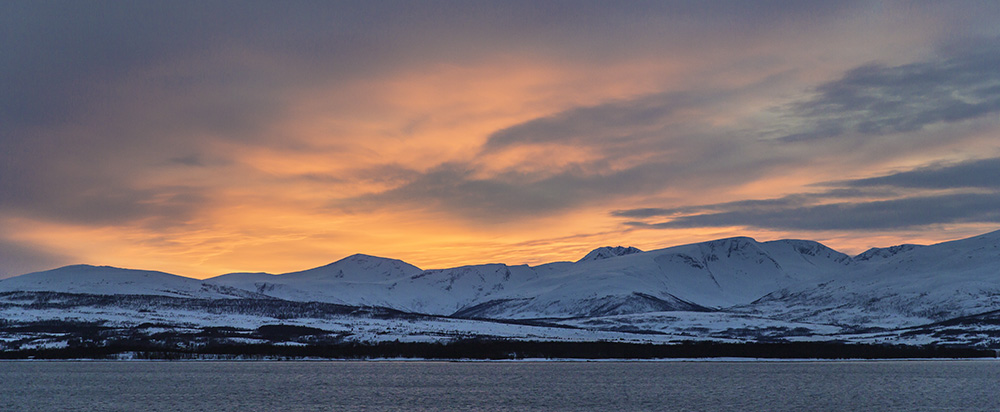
(486, 386)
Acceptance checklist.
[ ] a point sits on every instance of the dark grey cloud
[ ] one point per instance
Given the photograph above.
(957, 84)
(89, 177)
(876, 215)
(644, 212)
(790, 201)
(58, 57)
(868, 100)
(960, 83)
(97, 96)
(787, 201)
(91, 92)
(453, 187)
(984, 173)
(656, 137)
(75, 197)
(18, 258)
(612, 123)
(92, 97)
(898, 203)
(189, 160)
(457, 189)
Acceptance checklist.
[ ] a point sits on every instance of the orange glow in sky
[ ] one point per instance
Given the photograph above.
(491, 134)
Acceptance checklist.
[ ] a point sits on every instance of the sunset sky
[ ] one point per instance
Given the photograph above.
(201, 138)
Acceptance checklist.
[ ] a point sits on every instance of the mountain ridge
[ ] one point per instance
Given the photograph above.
(111, 280)
(725, 290)
(789, 277)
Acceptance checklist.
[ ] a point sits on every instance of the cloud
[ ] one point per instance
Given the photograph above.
(217, 125)
(860, 216)
(89, 202)
(100, 100)
(617, 123)
(19, 258)
(958, 84)
(455, 188)
(895, 201)
(462, 189)
(787, 201)
(984, 173)
(154, 83)
(674, 141)
(189, 160)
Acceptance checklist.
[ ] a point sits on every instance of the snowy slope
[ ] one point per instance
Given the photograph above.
(357, 268)
(609, 252)
(363, 280)
(354, 280)
(696, 277)
(878, 253)
(106, 280)
(784, 281)
(899, 287)
(608, 281)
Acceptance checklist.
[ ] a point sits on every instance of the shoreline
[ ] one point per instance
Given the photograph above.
(531, 360)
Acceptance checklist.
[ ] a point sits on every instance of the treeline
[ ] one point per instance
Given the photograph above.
(270, 307)
(508, 349)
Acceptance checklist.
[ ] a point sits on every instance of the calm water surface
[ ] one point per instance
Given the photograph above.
(514, 386)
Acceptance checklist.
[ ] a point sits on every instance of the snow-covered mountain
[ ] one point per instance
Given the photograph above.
(106, 280)
(715, 289)
(357, 269)
(884, 252)
(605, 252)
(354, 280)
(697, 277)
(363, 280)
(609, 281)
(900, 286)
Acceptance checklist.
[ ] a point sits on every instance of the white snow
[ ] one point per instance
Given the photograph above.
(108, 280)
(789, 289)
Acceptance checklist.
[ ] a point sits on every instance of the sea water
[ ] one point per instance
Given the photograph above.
(967, 385)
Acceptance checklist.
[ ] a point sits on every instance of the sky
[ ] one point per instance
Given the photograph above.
(202, 138)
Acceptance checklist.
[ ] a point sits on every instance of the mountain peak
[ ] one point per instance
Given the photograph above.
(362, 256)
(95, 270)
(360, 267)
(606, 252)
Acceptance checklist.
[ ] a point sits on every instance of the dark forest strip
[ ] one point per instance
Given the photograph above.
(477, 349)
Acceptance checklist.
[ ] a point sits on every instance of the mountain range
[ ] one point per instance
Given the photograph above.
(729, 290)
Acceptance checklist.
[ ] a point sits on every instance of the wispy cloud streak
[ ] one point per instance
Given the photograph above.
(900, 204)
